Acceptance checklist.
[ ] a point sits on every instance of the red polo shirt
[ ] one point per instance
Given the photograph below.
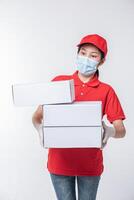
(85, 161)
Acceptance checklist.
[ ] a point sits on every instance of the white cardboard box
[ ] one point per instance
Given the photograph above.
(82, 113)
(54, 92)
(72, 137)
(73, 125)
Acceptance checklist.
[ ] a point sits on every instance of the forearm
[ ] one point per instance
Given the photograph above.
(36, 120)
(120, 130)
(37, 116)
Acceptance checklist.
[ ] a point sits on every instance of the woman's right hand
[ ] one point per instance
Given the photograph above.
(37, 122)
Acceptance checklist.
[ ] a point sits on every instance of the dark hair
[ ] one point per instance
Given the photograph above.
(102, 55)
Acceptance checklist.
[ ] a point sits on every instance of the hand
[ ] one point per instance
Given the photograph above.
(39, 128)
(108, 132)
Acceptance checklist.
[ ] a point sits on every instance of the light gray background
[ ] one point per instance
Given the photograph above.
(37, 42)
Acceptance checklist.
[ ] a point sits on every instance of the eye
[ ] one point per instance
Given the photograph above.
(93, 56)
(82, 53)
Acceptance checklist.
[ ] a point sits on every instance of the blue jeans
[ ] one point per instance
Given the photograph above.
(65, 187)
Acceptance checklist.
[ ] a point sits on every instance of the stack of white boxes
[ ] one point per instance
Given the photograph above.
(66, 124)
(72, 125)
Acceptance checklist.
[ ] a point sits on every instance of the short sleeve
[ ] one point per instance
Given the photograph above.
(113, 108)
(62, 78)
(55, 79)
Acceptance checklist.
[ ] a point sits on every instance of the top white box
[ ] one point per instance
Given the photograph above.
(82, 113)
(54, 92)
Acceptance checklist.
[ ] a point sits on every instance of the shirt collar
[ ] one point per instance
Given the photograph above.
(94, 82)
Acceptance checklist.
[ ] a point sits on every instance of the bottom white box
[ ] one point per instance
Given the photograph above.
(72, 137)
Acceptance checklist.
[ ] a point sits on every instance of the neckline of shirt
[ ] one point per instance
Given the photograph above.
(94, 82)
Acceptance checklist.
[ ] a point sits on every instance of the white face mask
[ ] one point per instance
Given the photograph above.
(85, 65)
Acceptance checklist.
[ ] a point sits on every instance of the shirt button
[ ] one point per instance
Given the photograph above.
(81, 93)
(83, 85)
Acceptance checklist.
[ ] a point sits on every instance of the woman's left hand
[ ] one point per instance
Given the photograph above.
(108, 132)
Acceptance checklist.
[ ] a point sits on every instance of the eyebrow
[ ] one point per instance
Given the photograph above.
(95, 52)
(82, 48)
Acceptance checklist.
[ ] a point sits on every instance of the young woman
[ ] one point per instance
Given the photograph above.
(85, 165)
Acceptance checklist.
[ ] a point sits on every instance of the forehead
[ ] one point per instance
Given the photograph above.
(89, 47)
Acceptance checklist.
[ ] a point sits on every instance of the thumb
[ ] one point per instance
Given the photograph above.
(103, 145)
(41, 136)
(105, 139)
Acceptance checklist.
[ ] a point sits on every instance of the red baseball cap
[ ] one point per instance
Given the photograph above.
(96, 40)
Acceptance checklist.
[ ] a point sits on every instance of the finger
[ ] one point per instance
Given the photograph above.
(41, 137)
(105, 139)
(103, 135)
(103, 145)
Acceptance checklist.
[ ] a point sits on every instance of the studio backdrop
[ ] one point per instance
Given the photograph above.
(38, 41)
